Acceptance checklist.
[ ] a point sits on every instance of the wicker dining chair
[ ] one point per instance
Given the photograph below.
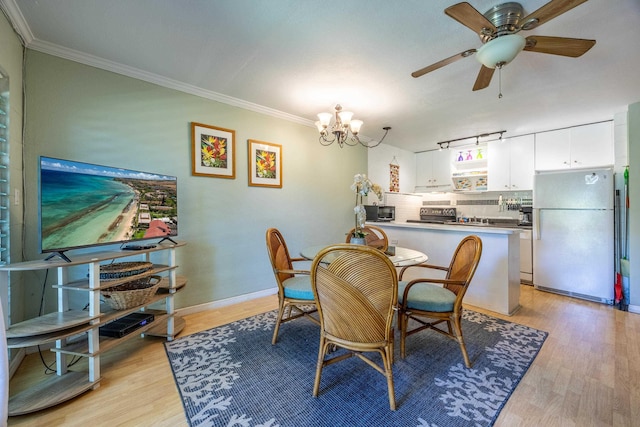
(439, 299)
(294, 286)
(374, 236)
(356, 295)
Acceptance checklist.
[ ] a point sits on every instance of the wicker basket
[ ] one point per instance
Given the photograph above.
(132, 294)
(119, 270)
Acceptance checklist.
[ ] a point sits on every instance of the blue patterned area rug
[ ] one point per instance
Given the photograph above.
(232, 376)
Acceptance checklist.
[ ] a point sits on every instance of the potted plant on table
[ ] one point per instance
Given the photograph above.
(362, 186)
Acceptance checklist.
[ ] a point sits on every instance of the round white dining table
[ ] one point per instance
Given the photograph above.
(402, 258)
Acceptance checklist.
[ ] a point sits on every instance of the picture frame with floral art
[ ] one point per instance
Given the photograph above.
(213, 151)
(265, 164)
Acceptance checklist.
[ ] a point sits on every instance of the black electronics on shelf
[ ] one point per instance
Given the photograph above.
(126, 325)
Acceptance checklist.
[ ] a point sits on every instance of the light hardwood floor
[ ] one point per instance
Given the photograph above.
(587, 373)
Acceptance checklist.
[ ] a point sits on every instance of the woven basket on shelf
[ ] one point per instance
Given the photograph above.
(119, 270)
(131, 294)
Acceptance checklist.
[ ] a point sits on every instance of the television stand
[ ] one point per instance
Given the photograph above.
(58, 254)
(76, 332)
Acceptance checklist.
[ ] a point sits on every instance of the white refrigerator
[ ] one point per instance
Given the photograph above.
(573, 237)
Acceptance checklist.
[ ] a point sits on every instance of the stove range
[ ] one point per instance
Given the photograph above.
(436, 216)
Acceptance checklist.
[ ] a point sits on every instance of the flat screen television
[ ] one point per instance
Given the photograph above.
(82, 205)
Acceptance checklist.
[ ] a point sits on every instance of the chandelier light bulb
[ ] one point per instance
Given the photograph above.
(325, 119)
(345, 117)
(355, 126)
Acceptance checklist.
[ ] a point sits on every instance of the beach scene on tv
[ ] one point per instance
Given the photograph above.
(84, 204)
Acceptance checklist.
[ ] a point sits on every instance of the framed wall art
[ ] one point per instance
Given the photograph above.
(213, 151)
(394, 176)
(265, 164)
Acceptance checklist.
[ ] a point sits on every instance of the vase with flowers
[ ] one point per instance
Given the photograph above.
(362, 186)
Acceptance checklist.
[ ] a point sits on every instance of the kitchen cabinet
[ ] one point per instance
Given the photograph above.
(469, 168)
(433, 169)
(511, 164)
(76, 332)
(577, 147)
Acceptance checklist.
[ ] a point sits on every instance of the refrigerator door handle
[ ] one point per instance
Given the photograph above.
(536, 224)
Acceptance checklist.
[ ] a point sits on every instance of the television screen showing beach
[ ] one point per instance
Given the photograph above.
(84, 204)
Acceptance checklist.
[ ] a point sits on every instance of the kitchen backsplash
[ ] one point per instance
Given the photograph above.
(407, 205)
(488, 204)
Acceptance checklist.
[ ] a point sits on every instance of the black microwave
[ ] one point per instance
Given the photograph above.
(380, 213)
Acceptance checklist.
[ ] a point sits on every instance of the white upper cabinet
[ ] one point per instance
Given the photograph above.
(592, 145)
(522, 160)
(441, 168)
(433, 169)
(510, 164)
(578, 147)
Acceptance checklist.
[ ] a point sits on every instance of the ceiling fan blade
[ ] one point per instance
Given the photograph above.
(548, 12)
(440, 64)
(484, 78)
(468, 16)
(559, 45)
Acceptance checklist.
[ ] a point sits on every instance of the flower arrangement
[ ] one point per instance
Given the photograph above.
(362, 186)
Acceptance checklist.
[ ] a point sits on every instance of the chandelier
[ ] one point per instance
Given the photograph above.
(344, 130)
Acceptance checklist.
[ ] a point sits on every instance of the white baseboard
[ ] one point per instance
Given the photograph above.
(225, 302)
(634, 308)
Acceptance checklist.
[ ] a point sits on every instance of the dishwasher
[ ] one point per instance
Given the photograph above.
(526, 257)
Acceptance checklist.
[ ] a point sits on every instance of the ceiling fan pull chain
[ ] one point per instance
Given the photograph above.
(499, 81)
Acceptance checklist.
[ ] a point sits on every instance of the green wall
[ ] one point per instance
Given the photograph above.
(86, 114)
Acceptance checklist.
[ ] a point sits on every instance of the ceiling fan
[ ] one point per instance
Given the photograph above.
(498, 29)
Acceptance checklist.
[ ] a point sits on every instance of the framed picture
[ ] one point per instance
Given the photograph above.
(213, 151)
(265, 164)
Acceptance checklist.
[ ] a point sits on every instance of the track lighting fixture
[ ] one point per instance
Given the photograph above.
(447, 144)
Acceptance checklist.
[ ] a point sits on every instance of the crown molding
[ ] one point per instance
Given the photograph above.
(14, 14)
(94, 61)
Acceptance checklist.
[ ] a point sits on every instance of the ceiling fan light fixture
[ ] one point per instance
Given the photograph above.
(501, 50)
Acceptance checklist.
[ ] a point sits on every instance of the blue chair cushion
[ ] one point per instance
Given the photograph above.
(298, 287)
(427, 297)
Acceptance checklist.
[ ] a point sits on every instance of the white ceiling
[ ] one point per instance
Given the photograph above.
(295, 58)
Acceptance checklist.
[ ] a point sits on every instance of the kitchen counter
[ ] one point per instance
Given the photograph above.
(472, 227)
(496, 284)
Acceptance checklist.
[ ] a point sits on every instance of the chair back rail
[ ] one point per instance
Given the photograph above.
(374, 236)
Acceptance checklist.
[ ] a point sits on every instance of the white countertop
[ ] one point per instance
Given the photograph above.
(479, 229)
